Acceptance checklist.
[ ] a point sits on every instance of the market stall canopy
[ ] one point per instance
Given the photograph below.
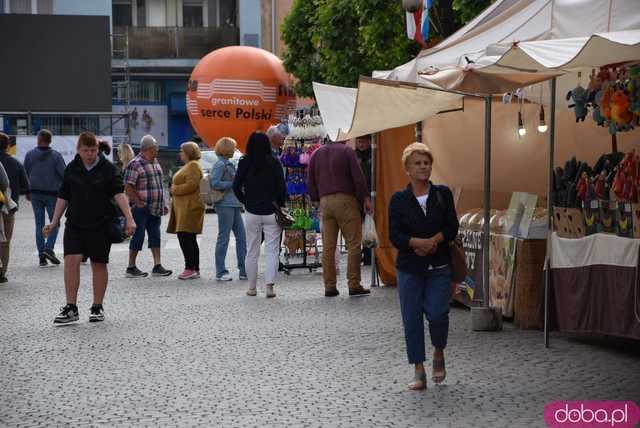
(377, 105)
(484, 41)
(526, 63)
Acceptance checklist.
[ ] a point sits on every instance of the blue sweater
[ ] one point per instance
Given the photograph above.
(222, 175)
(45, 170)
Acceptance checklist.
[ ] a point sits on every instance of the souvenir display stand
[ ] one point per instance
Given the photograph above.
(596, 239)
(300, 243)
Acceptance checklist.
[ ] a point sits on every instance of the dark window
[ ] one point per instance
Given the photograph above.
(121, 15)
(192, 15)
(142, 15)
(228, 13)
(1, 6)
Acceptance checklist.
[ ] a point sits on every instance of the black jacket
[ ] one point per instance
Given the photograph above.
(407, 220)
(257, 189)
(89, 194)
(18, 180)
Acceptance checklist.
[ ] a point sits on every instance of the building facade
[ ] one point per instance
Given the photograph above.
(155, 46)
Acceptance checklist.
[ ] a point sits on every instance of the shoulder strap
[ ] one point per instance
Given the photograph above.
(436, 190)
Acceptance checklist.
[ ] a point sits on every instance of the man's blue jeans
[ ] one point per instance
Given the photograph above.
(424, 295)
(40, 203)
(230, 218)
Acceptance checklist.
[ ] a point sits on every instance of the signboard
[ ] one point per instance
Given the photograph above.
(145, 119)
(471, 287)
(502, 255)
(64, 144)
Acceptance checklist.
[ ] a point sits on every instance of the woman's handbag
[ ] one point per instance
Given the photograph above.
(458, 261)
(283, 218)
(217, 195)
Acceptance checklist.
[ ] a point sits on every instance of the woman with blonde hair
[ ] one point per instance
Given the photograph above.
(228, 210)
(422, 223)
(125, 154)
(187, 209)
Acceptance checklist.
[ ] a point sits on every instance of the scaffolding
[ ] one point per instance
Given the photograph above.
(121, 87)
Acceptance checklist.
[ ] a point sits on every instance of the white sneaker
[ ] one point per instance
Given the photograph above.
(224, 278)
(252, 292)
(269, 291)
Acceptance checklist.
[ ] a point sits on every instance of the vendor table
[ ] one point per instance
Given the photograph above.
(595, 285)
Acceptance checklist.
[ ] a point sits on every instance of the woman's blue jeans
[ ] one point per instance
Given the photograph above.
(230, 218)
(423, 295)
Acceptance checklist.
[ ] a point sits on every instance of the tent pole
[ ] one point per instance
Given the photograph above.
(374, 149)
(547, 272)
(486, 230)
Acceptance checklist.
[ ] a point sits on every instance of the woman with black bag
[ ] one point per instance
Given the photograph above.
(259, 185)
(90, 183)
(422, 224)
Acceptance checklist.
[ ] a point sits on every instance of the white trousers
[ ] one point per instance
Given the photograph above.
(255, 225)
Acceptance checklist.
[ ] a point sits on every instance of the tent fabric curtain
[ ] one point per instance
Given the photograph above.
(391, 144)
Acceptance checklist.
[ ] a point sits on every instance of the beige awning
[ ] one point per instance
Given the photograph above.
(377, 105)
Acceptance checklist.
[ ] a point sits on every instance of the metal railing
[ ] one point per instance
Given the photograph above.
(175, 42)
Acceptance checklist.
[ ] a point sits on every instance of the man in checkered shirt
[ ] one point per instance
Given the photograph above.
(143, 186)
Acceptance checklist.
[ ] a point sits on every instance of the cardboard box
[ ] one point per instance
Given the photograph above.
(624, 220)
(608, 213)
(591, 214)
(568, 222)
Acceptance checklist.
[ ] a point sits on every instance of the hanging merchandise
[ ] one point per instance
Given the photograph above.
(306, 133)
(613, 95)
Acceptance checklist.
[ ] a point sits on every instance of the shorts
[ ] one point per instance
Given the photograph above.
(145, 221)
(92, 243)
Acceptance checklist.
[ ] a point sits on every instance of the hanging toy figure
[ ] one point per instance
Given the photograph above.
(579, 96)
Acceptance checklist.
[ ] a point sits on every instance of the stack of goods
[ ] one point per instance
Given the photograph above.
(305, 136)
(613, 95)
(602, 199)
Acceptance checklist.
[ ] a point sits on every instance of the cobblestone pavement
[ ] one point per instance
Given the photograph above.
(201, 353)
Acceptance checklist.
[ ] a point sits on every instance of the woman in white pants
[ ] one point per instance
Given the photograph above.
(259, 185)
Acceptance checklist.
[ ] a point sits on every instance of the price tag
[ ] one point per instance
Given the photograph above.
(627, 207)
(594, 204)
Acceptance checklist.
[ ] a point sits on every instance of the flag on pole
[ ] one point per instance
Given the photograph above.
(418, 24)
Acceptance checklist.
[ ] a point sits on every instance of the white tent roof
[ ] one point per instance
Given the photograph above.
(348, 113)
(512, 44)
(489, 35)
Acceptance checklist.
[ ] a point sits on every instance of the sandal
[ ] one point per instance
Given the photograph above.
(439, 371)
(419, 383)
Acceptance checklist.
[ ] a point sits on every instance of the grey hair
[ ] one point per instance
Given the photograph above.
(148, 142)
(273, 131)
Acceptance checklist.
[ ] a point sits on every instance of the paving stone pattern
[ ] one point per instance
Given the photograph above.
(202, 353)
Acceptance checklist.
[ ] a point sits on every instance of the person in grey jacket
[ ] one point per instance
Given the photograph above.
(45, 170)
(228, 210)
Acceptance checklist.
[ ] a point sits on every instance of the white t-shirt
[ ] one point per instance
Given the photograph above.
(422, 201)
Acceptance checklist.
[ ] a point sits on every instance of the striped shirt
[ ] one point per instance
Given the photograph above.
(146, 178)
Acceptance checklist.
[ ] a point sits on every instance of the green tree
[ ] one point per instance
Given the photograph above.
(337, 41)
(301, 57)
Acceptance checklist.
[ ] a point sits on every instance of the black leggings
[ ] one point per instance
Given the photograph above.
(190, 250)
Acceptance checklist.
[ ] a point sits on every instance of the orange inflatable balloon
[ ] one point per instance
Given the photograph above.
(235, 91)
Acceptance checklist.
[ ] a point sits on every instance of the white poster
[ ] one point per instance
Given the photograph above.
(144, 120)
(65, 144)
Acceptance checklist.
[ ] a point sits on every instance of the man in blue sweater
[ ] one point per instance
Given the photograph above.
(45, 170)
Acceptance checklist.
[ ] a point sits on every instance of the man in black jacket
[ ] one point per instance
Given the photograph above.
(89, 187)
(19, 185)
